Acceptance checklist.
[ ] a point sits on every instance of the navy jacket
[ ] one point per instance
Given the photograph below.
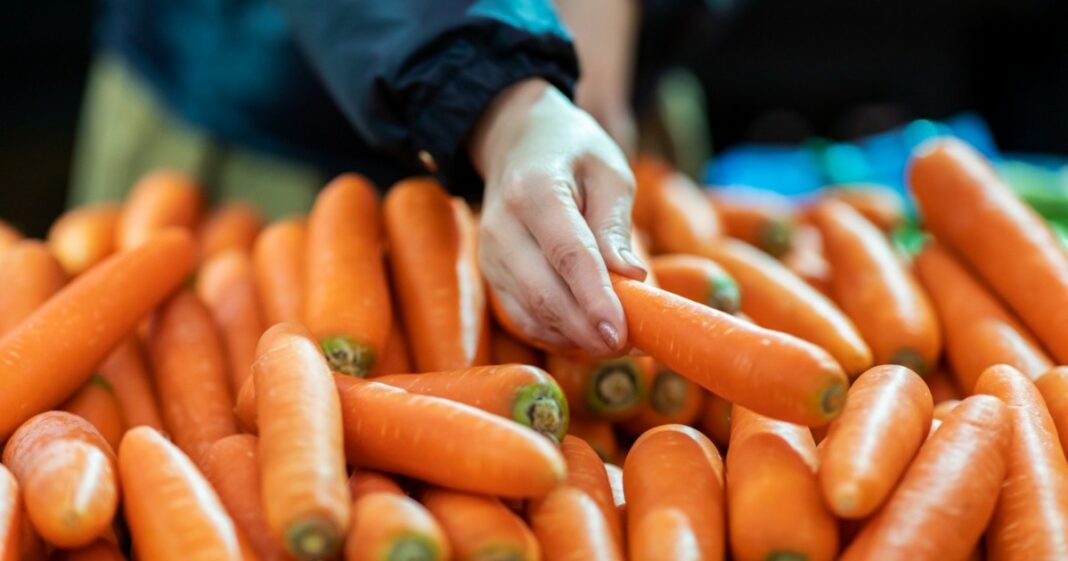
(362, 85)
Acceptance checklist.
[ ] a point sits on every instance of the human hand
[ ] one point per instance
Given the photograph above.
(555, 218)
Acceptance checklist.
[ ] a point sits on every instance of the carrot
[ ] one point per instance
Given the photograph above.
(684, 221)
(190, 373)
(49, 355)
(944, 408)
(67, 474)
(396, 359)
(807, 260)
(125, 370)
(775, 373)
(1054, 388)
(10, 516)
(524, 394)
(886, 418)
(444, 442)
(664, 534)
(346, 300)
(232, 468)
(278, 258)
(161, 199)
(968, 208)
(435, 272)
(83, 237)
(173, 512)
(670, 399)
(29, 276)
(777, 299)
(716, 419)
(979, 332)
(598, 434)
(9, 236)
(756, 216)
(699, 279)
(952, 484)
(609, 389)
(480, 528)
(227, 285)
(698, 495)
(586, 472)
(96, 402)
(942, 386)
(305, 491)
(1031, 517)
(569, 525)
(615, 480)
(775, 507)
(879, 205)
(393, 526)
(649, 174)
(31, 546)
(231, 226)
(876, 290)
(100, 550)
(506, 349)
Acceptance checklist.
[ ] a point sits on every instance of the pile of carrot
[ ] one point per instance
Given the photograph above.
(186, 382)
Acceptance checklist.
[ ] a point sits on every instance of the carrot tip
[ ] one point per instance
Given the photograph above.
(844, 500)
(786, 556)
(723, 295)
(775, 238)
(616, 386)
(411, 548)
(313, 539)
(833, 399)
(910, 359)
(347, 356)
(668, 393)
(544, 409)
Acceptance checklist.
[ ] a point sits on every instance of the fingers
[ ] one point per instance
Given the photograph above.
(609, 199)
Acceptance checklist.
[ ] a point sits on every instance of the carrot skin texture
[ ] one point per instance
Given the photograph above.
(868, 447)
(397, 359)
(776, 298)
(587, 473)
(478, 526)
(879, 205)
(807, 260)
(304, 483)
(570, 525)
(771, 372)
(774, 503)
(231, 226)
(970, 209)
(953, 484)
(1031, 517)
(388, 525)
(716, 419)
(96, 402)
(53, 344)
(84, 236)
(173, 512)
(758, 217)
(278, 258)
(159, 200)
(190, 373)
(943, 409)
(364, 482)
(127, 372)
(29, 276)
(698, 278)
(664, 534)
(1053, 386)
(598, 434)
(100, 550)
(10, 516)
(979, 331)
(226, 284)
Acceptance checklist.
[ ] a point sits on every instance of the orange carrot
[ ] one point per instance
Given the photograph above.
(598, 434)
(671, 208)
(159, 200)
(525, 394)
(125, 370)
(173, 512)
(886, 418)
(875, 289)
(880, 205)
(698, 495)
(232, 468)
(480, 527)
(943, 409)
(979, 332)
(756, 216)
(953, 484)
(396, 359)
(970, 209)
(49, 355)
(777, 299)
(305, 492)
(609, 389)
(231, 226)
(649, 174)
(435, 272)
(68, 477)
(9, 236)
(190, 373)
(587, 473)
(10, 516)
(278, 257)
(31, 546)
(84, 236)
(96, 403)
(664, 534)
(716, 419)
(774, 373)
(807, 260)
(29, 276)
(505, 349)
(568, 523)
(346, 300)
(1031, 517)
(100, 550)
(227, 285)
(615, 480)
(387, 524)
(1054, 388)
(670, 399)
(775, 507)
(942, 386)
(699, 279)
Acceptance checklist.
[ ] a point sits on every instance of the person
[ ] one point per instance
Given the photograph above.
(260, 100)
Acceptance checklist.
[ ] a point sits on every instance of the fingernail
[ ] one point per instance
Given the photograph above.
(632, 259)
(609, 334)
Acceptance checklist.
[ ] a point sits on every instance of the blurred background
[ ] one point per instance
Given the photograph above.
(778, 93)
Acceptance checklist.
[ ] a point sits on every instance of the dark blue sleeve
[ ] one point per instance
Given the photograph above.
(413, 76)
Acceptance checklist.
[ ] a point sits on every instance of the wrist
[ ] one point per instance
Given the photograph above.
(501, 123)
